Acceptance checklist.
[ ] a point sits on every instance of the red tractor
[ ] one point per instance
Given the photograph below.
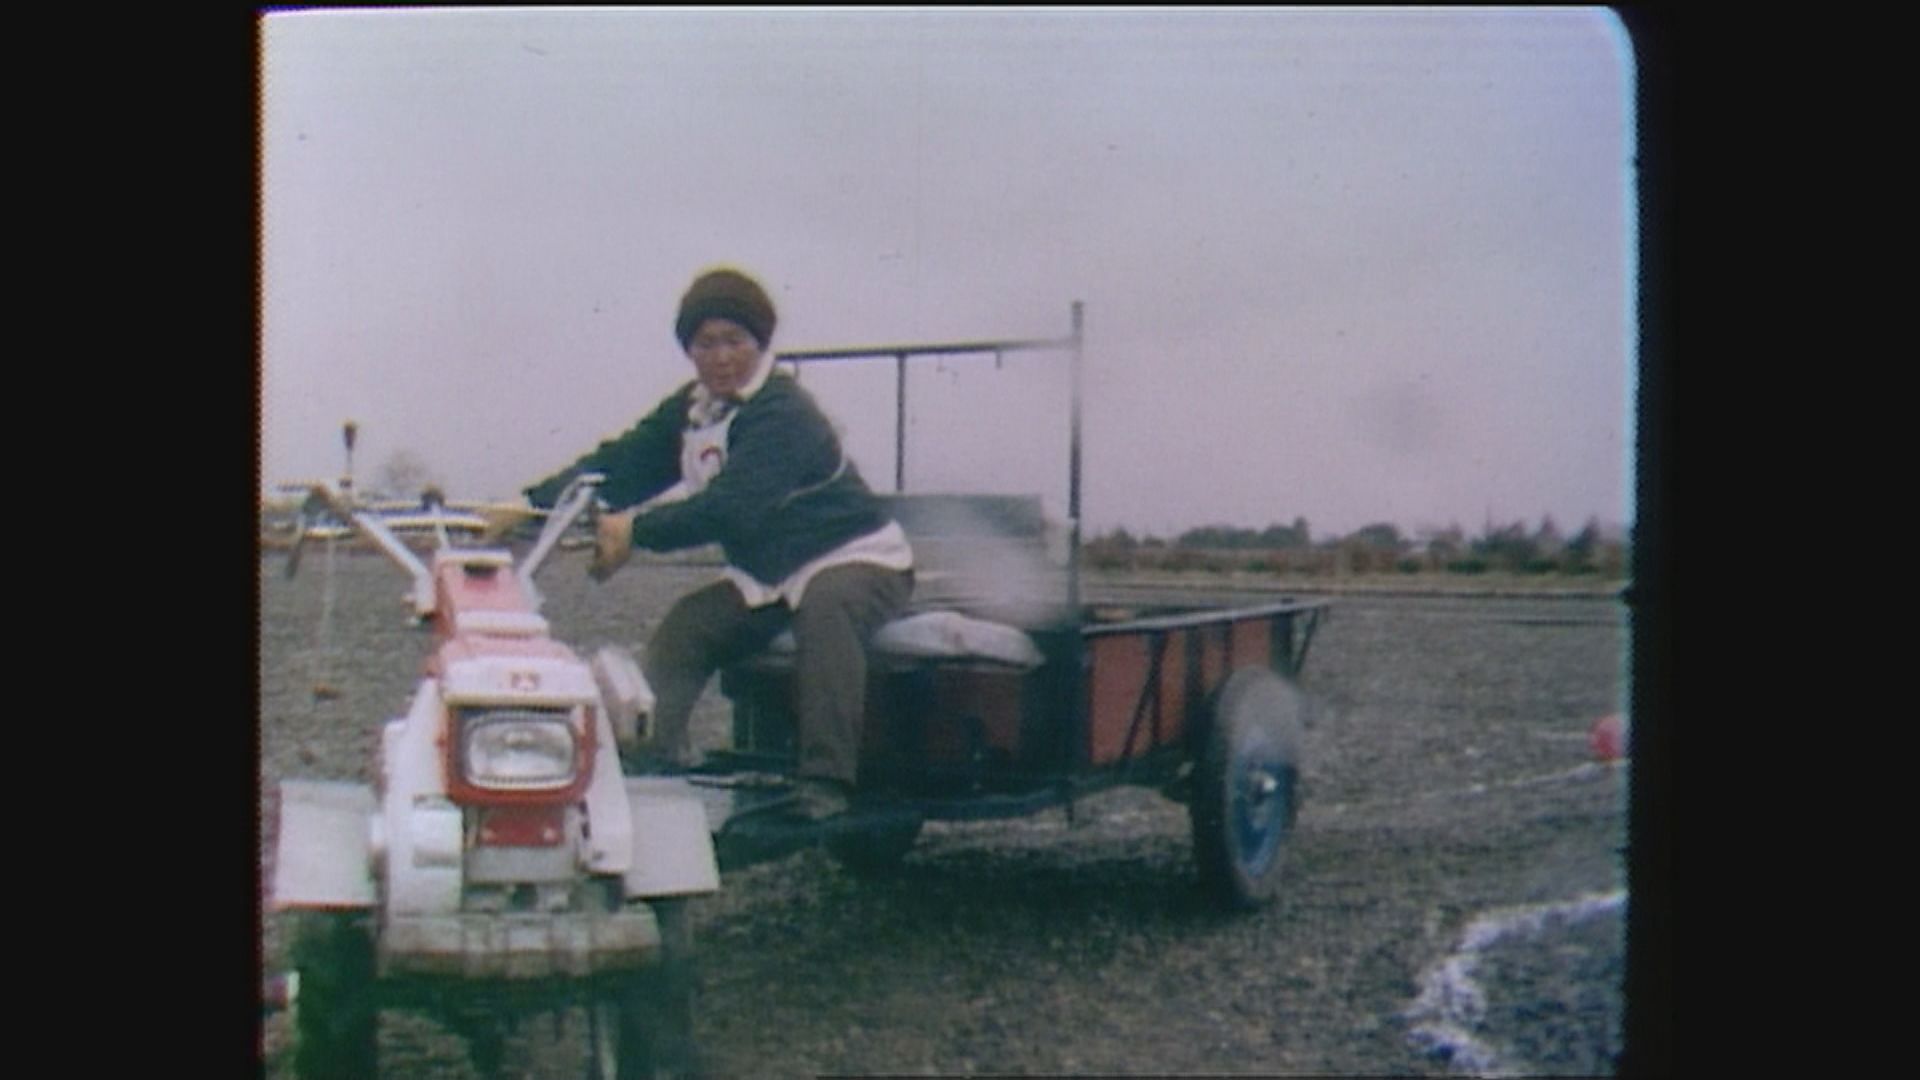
(502, 865)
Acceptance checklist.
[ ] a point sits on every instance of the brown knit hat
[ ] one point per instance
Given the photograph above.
(725, 294)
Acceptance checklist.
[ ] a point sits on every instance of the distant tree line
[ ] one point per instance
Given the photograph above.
(1379, 548)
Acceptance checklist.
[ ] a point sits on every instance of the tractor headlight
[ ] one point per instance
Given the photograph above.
(518, 750)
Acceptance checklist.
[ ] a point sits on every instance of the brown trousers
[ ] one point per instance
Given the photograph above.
(712, 627)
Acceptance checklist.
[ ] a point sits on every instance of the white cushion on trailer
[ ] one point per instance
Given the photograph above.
(945, 635)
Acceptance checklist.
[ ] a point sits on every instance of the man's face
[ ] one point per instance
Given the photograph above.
(725, 355)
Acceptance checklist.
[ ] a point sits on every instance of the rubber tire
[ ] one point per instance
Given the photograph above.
(335, 1018)
(654, 1022)
(1239, 837)
(877, 852)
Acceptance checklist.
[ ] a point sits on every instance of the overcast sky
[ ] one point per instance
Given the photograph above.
(1354, 265)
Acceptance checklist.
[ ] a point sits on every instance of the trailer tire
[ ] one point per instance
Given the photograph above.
(335, 1017)
(1246, 788)
(651, 1021)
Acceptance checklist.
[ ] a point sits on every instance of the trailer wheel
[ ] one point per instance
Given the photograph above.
(1246, 788)
(644, 1030)
(334, 1014)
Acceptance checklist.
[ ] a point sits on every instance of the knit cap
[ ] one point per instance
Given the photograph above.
(725, 294)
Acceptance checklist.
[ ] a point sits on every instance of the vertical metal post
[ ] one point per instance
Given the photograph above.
(347, 433)
(1073, 474)
(900, 424)
(1280, 643)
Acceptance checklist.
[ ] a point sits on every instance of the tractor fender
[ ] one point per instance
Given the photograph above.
(672, 847)
(325, 856)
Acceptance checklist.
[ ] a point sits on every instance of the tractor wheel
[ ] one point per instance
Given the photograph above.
(334, 1014)
(1246, 788)
(644, 1030)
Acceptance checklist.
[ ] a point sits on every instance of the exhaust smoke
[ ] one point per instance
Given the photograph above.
(986, 555)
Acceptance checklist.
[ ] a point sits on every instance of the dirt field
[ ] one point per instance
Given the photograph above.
(1457, 886)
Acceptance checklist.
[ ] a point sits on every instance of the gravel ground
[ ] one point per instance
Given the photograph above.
(1456, 901)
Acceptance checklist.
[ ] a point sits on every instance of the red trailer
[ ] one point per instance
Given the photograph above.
(981, 709)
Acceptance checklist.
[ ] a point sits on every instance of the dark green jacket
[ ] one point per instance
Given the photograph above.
(780, 501)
